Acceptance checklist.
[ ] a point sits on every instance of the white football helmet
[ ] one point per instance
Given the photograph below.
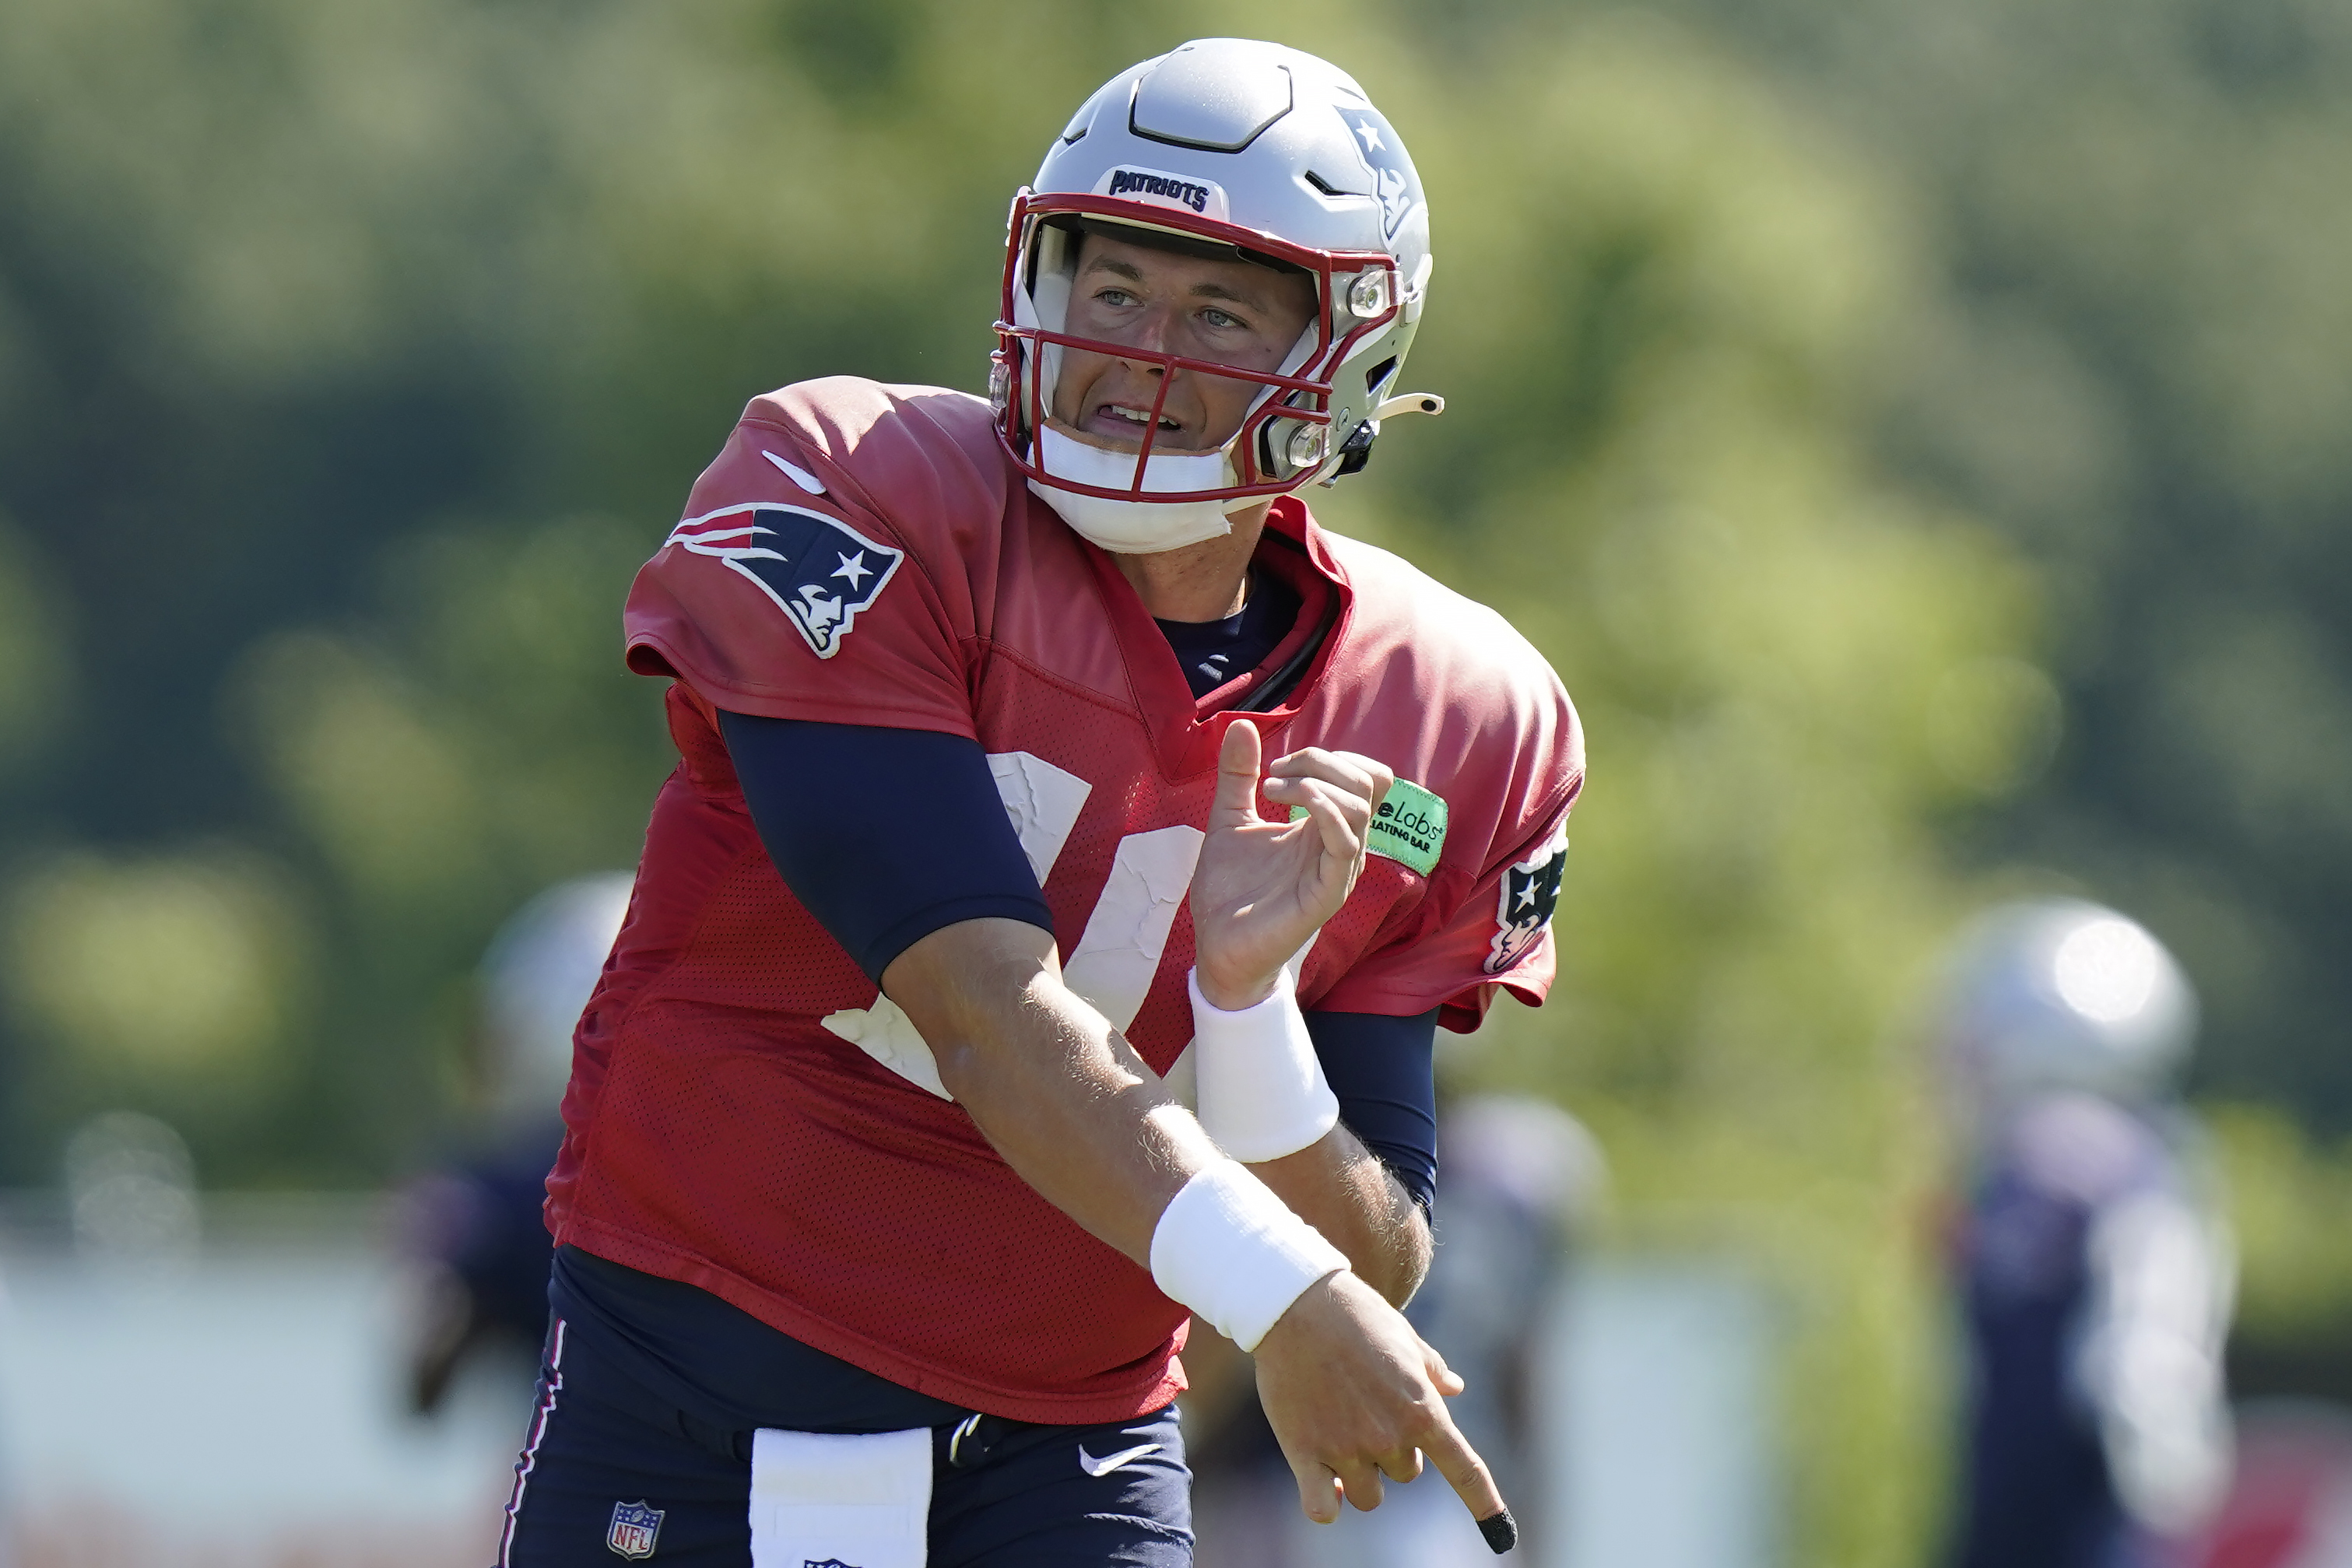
(2062, 993)
(1232, 149)
(540, 969)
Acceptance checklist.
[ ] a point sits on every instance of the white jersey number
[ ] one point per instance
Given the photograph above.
(1115, 960)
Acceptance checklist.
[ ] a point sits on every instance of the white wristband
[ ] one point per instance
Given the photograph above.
(1231, 1251)
(1261, 1090)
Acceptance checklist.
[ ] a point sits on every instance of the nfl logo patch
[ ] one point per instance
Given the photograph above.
(635, 1527)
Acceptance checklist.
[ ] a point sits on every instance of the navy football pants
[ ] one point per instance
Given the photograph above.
(1004, 1494)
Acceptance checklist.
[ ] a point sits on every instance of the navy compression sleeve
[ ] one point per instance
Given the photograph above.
(885, 835)
(1380, 1067)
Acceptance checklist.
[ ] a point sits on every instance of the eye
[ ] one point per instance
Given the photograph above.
(1114, 296)
(1220, 319)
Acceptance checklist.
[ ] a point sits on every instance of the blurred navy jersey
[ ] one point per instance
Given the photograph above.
(477, 1226)
(2038, 1492)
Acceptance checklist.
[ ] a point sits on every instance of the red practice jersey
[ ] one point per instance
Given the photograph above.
(748, 1115)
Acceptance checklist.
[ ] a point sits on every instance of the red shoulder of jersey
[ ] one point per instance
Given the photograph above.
(826, 563)
(1491, 754)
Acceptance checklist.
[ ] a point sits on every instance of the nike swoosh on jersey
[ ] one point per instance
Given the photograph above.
(796, 474)
(1111, 1462)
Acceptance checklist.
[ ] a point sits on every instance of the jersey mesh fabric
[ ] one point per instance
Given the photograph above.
(720, 1134)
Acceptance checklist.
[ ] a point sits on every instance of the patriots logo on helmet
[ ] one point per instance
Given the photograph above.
(1383, 155)
(634, 1529)
(818, 571)
(1530, 892)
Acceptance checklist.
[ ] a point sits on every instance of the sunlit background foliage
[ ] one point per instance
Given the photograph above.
(1920, 434)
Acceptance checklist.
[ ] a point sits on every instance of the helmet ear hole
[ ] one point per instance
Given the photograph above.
(1378, 376)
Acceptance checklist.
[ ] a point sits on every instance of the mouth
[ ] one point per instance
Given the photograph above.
(1122, 426)
(1124, 419)
(1103, 417)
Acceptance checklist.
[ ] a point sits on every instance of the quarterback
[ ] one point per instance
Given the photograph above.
(1072, 853)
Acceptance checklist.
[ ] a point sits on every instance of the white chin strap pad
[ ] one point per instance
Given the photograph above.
(1135, 528)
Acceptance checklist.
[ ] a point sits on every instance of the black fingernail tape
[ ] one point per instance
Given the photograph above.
(1502, 1532)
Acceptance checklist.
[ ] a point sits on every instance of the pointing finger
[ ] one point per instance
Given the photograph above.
(1467, 1474)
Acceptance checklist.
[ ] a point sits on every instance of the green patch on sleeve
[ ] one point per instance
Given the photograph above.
(1408, 828)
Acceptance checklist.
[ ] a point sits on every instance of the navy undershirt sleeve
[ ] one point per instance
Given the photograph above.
(885, 835)
(1381, 1069)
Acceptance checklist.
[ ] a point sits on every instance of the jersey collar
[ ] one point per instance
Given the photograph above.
(1185, 740)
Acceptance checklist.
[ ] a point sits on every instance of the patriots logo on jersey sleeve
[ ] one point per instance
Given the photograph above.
(818, 571)
(1530, 892)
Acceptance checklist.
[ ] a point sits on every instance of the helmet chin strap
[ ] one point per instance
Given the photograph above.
(1135, 528)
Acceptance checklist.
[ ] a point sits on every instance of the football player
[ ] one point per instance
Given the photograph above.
(878, 1225)
(478, 1248)
(2093, 1271)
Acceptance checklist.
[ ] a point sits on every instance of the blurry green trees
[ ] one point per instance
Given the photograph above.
(351, 358)
(2143, 376)
(2146, 379)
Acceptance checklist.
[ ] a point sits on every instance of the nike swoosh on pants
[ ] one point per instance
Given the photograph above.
(1111, 1462)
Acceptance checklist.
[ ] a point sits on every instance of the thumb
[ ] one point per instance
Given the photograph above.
(1239, 759)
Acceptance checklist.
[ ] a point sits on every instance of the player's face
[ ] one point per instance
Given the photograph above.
(1228, 312)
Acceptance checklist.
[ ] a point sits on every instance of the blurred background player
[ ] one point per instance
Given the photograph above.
(2095, 1278)
(1521, 1179)
(475, 1228)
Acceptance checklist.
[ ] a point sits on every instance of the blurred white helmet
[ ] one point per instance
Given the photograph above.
(536, 978)
(1228, 148)
(2062, 993)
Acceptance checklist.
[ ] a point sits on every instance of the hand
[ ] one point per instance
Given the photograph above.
(1353, 1394)
(1261, 890)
